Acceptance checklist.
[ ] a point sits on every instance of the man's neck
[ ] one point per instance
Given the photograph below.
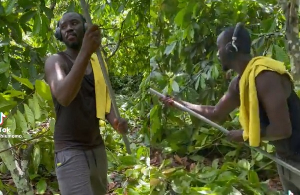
(242, 63)
(72, 53)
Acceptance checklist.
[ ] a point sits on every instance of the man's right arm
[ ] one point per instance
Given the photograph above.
(219, 112)
(65, 87)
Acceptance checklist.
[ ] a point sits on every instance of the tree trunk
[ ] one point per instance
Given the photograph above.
(290, 9)
(19, 173)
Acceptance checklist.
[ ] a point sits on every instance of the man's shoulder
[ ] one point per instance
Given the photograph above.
(56, 58)
(267, 76)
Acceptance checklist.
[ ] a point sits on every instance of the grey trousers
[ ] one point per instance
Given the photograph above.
(289, 180)
(82, 172)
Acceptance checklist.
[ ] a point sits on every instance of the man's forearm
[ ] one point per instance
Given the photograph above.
(204, 110)
(70, 86)
(110, 117)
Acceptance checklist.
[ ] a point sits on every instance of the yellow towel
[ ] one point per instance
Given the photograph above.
(249, 108)
(103, 101)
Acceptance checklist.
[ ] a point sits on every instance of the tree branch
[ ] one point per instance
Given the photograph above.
(290, 10)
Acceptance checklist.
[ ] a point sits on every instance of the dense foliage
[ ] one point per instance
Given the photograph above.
(26, 39)
(187, 155)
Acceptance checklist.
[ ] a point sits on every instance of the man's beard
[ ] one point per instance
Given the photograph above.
(73, 45)
(225, 68)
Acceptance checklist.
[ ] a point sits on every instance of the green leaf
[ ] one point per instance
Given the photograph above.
(71, 7)
(41, 186)
(153, 14)
(3, 67)
(10, 6)
(23, 81)
(244, 164)
(170, 48)
(43, 89)
(127, 160)
(253, 177)
(2, 11)
(155, 119)
(197, 83)
(196, 158)
(37, 109)
(14, 93)
(179, 17)
(27, 16)
(36, 157)
(21, 122)
(37, 25)
(175, 86)
(16, 32)
(29, 115)
(48, 12)
(44, 25)
(280, 54)
(52, 125)
(132, 192)
(11, 124)
(4, 102)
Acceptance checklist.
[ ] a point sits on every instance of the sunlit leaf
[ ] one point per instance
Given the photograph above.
(37, 24)
(43, 89)
(175, 86)
(24, 81)
(180, 17)
(41, 186)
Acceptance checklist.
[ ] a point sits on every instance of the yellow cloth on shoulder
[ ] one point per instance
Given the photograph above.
(103, 101)
(249, 106)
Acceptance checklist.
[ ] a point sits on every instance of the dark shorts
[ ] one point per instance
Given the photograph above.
(289, 180)
(82, 172)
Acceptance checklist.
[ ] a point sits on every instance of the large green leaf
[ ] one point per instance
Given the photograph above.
(36, 157)
(3, 67)
(23, 81)
(37, 24)
(27, 16)
(281, 55)
(5, 103)
(11, 124)
(29, 115)
(180, 17)
(21, 123)
(2, 11)
(36, 107)
(41, 186)
(43, 89)
(10, 6)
